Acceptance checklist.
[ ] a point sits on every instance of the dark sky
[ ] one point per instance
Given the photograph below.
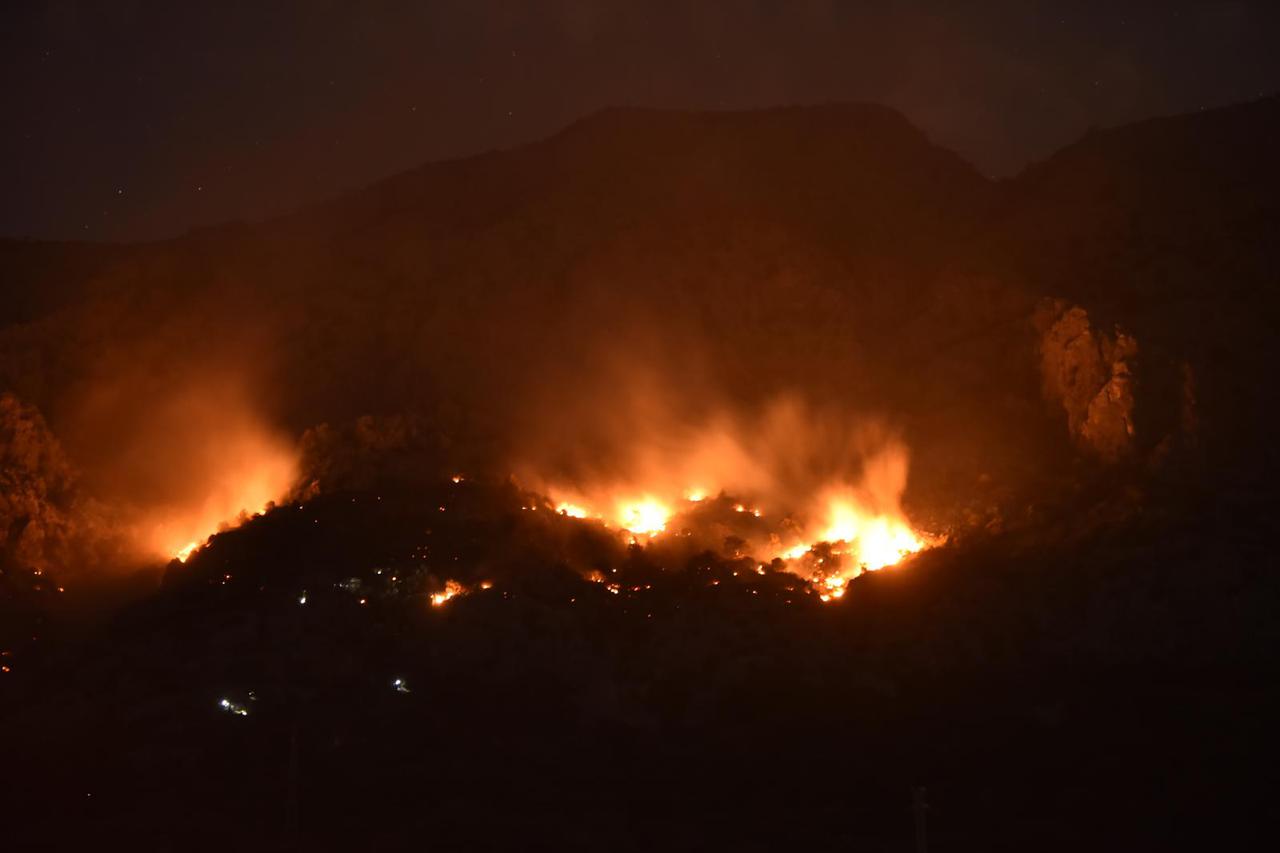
(126, 119)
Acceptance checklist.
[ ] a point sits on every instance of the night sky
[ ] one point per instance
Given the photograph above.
(126, 120)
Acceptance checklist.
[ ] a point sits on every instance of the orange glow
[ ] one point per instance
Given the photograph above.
(571, 510)
(874, 541)
(451, 589)
(182, 459)
(646, 517)
(831, 587)
(856, 537)
(256, 472)
(807, 487)
(793, 553)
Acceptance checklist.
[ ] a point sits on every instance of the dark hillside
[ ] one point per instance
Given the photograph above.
(1171, 228)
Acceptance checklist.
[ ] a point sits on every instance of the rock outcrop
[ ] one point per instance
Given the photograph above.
(1090, 374)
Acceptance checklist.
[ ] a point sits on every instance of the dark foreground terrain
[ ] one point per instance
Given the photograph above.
(1106, 688)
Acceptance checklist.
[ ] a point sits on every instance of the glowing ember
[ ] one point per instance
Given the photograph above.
(451, 589)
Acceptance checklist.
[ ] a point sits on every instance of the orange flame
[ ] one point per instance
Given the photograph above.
(571, 510)
(797, 481)
(645, 517)
(451, 589)
(248, 486)
(185, 551)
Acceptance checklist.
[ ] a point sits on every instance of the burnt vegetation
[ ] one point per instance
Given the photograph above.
(1078, 358)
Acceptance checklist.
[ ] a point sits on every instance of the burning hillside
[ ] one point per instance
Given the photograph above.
(791, 484)
(851, 541)
(791, 488)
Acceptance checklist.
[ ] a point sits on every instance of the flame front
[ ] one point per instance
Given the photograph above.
(571, 510)
(451, 589)
(873, 541)
(184, 531)
(828, 540)
(818, 489)
(241, 475)
(645, 517)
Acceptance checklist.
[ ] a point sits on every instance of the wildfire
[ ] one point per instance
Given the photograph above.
(828, 540)
(451, 589)
(870, 541)
(796, 552)
(814, 487)
(646, 517)
(185, 551)
(832, 587)
(251, 483)
(209, 522)
(571, 510)
(846, 539)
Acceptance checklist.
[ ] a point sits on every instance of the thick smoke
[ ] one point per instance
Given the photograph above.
(768, 478)
(778, 455)
(183, 460)
(46, 522)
